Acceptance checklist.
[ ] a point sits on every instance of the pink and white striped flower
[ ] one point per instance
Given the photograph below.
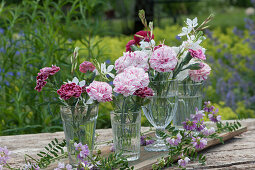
(201, 74)
(163, 59)
(130, 80)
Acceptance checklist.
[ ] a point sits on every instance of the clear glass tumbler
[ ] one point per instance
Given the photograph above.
(126, 128)
(79, 125)
(189, 98)
(161, 110)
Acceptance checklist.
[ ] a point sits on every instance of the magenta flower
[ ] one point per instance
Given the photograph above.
(189, 125)
(136, 59)
(50, 70)
(132, 79)
(129, 44)
(163, 59)
(69, 90)
(183, 162)
(100, 91)
(197, 54)
(82, 149)
(4, 155)
(86, 66)
(143, 35)
(62, 166)
(43, 76)
(199, 143)
(175, 140)
(144, 92)
(201, 74)
(208, 132)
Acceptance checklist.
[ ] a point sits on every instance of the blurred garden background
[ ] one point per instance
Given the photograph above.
(36, 34)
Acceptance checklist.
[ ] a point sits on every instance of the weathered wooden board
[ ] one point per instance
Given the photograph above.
(237, 153)
(147, 159)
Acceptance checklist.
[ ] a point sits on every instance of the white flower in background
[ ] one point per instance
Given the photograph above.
(147, 45)
(250, 11)
(76, 81)
(185, 31)
(192, 23)
(191, 43)
(107, 70)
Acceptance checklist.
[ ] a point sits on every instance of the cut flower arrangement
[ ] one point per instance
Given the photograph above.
(139, 71)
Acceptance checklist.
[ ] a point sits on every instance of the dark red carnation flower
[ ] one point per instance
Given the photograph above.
(144, 92)
(129, 44)
(69, 90)
(143, 35)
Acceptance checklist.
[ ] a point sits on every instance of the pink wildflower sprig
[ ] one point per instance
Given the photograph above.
(4, 155)
(43, 76)
(145, 141)
(174, 140)
(183, 161)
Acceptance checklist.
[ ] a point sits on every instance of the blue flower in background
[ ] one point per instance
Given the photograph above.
(108, 61)
(111, 83)
(7, 83)
(18, 74)
(178, 38)
(1, 30)
(17, 53)
(9, 74)
(2, 50)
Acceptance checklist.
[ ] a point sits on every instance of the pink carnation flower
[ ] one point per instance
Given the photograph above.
(69, 90)
(137, 59)
(50, 70)
(129, 44)
(100, 91)
(43, 75)
(143, 35)
(197, 54)
(163, 59)
(200, 75)
(130, 80)
(144, 92)
(86, 66)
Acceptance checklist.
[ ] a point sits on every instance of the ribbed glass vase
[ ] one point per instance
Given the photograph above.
(126, 128)
(79, 125)
(189, 98)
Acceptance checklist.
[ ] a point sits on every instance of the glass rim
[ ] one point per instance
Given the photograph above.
(196, 83)
(83, 106)
(113, 112)
(175, 80)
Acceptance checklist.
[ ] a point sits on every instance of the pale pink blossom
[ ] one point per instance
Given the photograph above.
(136, 58)
(208, 132)
(183, 162)
(100, 91)
(130, 80)
(163, 59)
(175, 140)
(86, 66)
(201, 74)
(197, 54)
